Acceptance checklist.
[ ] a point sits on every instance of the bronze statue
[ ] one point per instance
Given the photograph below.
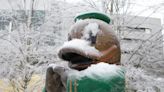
(100, 37)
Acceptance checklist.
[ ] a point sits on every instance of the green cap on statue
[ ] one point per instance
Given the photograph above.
(93, 15)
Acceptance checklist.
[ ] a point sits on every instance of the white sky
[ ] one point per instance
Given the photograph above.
(137, 6)
(148, 7)
(143, 8)
(17, 4)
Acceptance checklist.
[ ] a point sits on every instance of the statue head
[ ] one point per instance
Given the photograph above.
(91, 40)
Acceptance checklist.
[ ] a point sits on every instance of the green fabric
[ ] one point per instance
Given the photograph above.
(93, 15)
(114, 82)
(44, 89)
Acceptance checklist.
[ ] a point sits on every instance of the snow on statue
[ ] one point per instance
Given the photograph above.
(93, 55)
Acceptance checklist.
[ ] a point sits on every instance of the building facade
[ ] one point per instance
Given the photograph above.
(142, 42)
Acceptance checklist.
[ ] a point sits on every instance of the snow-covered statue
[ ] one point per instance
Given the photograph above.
(93, 55)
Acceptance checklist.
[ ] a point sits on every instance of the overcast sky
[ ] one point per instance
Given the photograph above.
(151, 8)
(154, 8)
(17, 4)
(138, 7)
(143, 8)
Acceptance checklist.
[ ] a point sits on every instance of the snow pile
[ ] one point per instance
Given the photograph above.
(104, 70)
(90, 30)
(81, 45)
(60, 66)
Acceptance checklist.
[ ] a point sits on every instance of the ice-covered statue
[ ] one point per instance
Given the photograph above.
(93, 55)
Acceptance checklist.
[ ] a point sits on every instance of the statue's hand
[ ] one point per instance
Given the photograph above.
(56, 78)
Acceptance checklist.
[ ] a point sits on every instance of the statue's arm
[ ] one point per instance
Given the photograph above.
(53, 81)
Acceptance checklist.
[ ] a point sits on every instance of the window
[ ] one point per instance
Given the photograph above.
(135, 33)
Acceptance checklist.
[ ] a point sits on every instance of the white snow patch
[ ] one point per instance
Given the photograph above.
(78, 20)
(81, 45)
(53, 66)
(92, 28)
(100, 69)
